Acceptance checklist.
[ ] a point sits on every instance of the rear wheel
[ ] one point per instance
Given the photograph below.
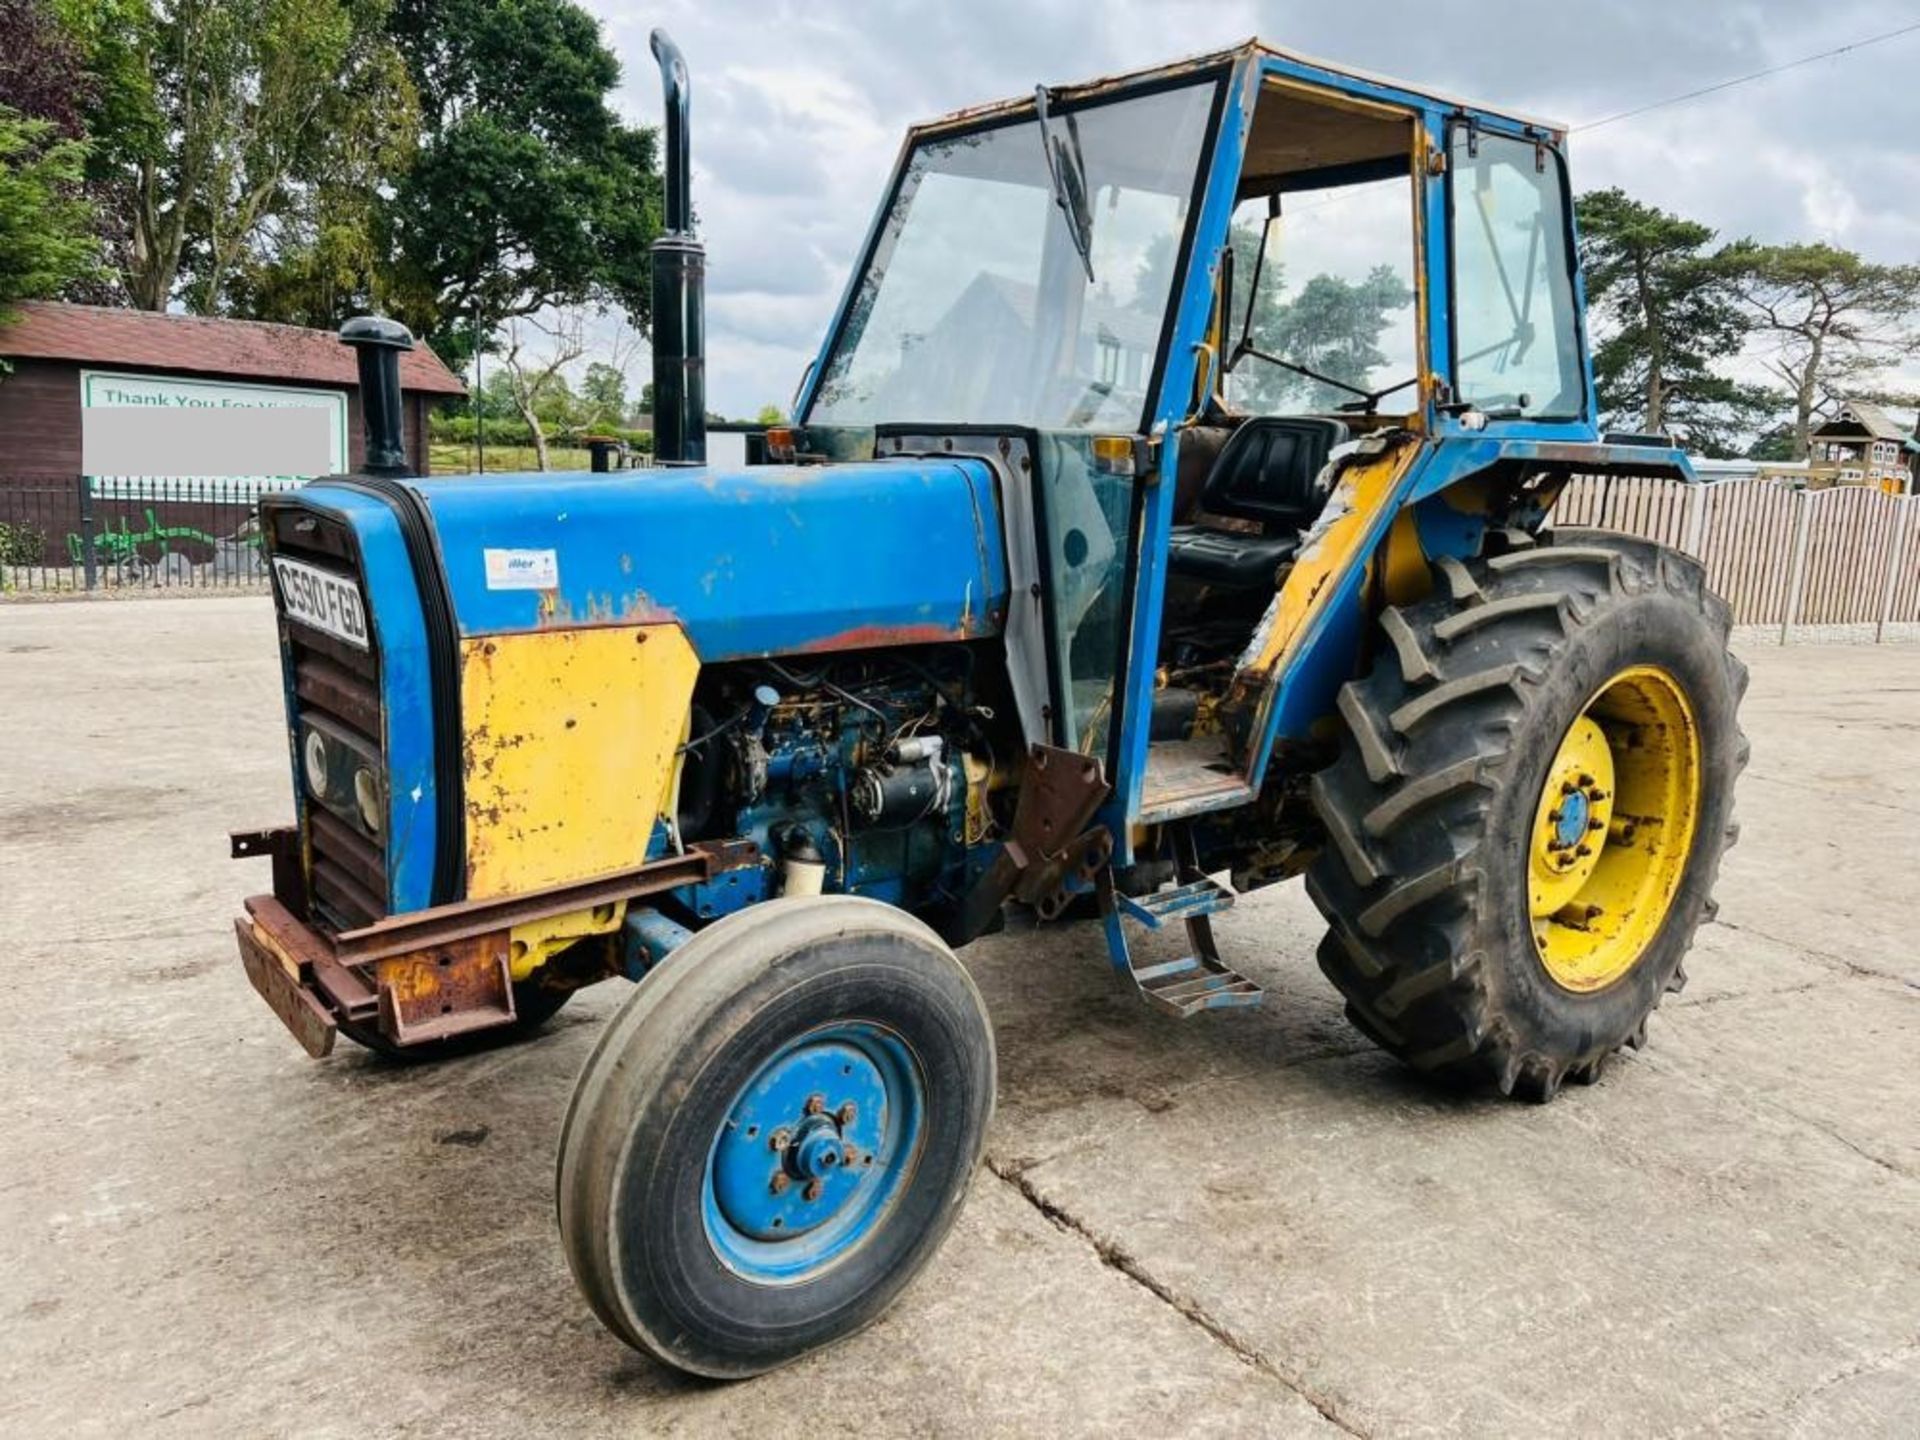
(1529, 810)
(774, 1135)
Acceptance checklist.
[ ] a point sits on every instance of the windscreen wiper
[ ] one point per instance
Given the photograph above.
(1244, 348)
(1067, 166)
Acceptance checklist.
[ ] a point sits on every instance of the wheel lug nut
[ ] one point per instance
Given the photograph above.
(1553, 816)
(778, 1141)
(815, 1104)
(1567, 787)
(780, 1182)
(1596, 795)
(1586, 782)
(812, 1192)
(1583, 850)
(846, 1113)
(1596, 824)
(1594, 912)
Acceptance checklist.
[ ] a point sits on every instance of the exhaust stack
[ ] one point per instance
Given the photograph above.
(378, 344)
(679, 287)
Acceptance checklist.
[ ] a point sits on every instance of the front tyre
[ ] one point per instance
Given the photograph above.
(774, 1134)
(1533, 795)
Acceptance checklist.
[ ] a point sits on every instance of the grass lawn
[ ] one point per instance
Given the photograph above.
(458, 459)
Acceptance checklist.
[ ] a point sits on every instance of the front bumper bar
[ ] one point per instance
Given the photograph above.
(428, 975)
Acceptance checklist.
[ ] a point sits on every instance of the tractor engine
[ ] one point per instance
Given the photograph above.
(867, 774)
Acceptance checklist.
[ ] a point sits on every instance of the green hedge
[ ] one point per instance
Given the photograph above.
(460, 430)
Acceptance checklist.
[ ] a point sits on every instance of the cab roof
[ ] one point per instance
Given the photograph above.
(1252, 49)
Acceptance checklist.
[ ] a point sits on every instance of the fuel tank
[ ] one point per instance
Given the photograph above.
(764, 560)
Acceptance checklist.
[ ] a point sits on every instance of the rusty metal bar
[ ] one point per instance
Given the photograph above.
(468, 919)
(281, 843)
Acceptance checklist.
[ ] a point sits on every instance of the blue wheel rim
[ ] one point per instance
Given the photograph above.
(814, 1151)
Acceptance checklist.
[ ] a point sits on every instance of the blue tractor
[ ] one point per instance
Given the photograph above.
(1109, 569)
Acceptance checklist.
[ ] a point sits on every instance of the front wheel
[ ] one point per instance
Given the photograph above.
(774, 1134)
(1534, 791)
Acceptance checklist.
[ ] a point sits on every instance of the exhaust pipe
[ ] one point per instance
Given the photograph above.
(378, 344)
(679, 287)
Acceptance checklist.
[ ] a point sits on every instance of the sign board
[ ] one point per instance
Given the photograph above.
(157, 426)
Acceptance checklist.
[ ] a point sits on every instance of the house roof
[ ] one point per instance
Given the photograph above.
(145, 340)
(1862, 415)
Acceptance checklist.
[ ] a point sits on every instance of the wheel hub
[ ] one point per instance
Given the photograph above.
(812, 1150)
(1613, 829)
(1570, 830)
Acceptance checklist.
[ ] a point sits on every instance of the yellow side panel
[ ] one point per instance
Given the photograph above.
(569, 752)
(1339, 539)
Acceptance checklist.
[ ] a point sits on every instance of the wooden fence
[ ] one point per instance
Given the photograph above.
(1781, 556)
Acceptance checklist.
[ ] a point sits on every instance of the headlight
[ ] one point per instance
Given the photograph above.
(367, 796)
(316, 759)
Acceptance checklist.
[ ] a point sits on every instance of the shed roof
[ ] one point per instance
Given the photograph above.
(146, 340)
(1864, 415)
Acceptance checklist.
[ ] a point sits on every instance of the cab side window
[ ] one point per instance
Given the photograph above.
(1516, 342)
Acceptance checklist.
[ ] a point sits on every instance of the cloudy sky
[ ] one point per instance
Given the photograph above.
(799, 108)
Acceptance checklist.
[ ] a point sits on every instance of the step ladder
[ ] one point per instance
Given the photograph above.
(1195, 982)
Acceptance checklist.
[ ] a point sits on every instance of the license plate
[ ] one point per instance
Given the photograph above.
(328, 602)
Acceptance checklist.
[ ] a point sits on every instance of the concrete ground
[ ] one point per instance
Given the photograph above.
(1244, 1224)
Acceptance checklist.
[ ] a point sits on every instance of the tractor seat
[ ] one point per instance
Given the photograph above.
(1268, 473)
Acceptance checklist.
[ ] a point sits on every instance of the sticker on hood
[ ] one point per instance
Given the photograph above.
(523, 570)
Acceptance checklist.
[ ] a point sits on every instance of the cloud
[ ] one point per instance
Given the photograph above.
(799, 109)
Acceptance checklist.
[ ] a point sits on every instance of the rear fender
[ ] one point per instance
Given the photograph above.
(1395, 509)
(1393, 513)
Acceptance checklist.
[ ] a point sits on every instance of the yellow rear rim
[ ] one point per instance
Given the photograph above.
(1614, 829)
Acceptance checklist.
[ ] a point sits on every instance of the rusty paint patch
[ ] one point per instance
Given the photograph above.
(868, 637)
(450, 990)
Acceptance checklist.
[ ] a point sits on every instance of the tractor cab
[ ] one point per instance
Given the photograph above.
(1186, 315)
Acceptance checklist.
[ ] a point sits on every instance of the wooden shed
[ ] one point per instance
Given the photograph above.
(67, 358)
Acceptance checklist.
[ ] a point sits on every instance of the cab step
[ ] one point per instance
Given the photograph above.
(1205, 896)
(1192, 983)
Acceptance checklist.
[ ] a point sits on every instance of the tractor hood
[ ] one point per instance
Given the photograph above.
(764, 560)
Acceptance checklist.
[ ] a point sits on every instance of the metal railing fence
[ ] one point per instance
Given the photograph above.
(64, 533)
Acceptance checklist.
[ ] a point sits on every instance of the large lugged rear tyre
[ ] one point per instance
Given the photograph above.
(775, 1134)
(1527, 816)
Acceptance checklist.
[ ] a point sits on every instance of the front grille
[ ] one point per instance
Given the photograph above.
(338, 686)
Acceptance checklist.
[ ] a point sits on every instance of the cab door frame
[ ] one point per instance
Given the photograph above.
(1189, 350)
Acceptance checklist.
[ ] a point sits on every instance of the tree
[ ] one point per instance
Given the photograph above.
(770, 415)
(220, 123)
(122, 118)
(603, 396)
(1837, 322)
(46, 226)
(535, 373)
(321, 259)
(1333, 326)
(528, 192)
(43, 74)
(1669, 307)
(1254, 384)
